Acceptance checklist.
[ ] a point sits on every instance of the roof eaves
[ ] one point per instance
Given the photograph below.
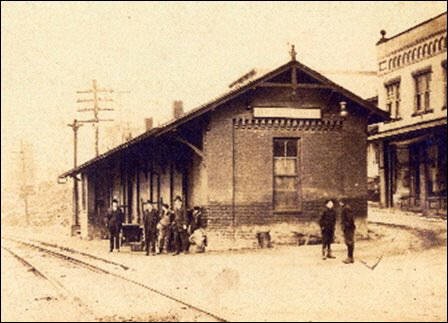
(176, 122)
(220, 100)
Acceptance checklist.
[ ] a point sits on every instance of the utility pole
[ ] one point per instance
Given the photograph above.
(75, 126)
(25, 189)
(95, 109)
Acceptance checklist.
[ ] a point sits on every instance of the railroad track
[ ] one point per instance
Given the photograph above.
(56, 285)
(62, 254)
(52, 245)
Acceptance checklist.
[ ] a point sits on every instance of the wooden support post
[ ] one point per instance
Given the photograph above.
(185, 187)
(129, 195)
(171, 183)
(423, 178)
(382, 174)
(75, 204)
(390, 175)
(158, 189)
(137, 183)
(151, 181)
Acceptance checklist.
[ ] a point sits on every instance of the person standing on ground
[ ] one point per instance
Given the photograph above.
(327, 224)
(164, 227)
(150, 219)
(180, 227)
(115, 218)
(348, 227)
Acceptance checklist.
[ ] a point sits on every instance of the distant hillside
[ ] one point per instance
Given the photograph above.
(50, 204)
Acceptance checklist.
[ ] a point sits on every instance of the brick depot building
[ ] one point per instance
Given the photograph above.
(268, 152)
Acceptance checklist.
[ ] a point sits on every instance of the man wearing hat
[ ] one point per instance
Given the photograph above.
(327, 225)
(348, 227)
(150, 220)
(180, 227)
(115, 218)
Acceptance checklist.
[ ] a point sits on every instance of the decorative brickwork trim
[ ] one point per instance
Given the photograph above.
(290, 124)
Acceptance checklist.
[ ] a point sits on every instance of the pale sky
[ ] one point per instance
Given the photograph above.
(162, 52)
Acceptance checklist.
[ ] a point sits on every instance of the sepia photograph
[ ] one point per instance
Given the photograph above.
(225, 161)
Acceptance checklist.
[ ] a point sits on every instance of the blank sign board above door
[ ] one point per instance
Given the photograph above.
(284, 112)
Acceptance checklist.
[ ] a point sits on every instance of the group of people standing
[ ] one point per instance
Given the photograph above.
(327, 224)
(165, 230)
(175, 230)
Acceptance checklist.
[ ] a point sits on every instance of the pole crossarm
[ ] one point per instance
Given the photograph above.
(96, 90)
(95, 99)
(99, 109)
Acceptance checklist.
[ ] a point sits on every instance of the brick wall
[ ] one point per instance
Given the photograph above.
(240, 166)
(222, 235)
(236, 182)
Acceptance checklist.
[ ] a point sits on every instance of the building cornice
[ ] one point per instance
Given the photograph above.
(384, 39)
(415, 43)
(423, 49)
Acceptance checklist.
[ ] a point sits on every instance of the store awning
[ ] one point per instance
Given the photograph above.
(409, 128)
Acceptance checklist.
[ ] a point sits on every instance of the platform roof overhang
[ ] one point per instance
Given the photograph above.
(324, 83)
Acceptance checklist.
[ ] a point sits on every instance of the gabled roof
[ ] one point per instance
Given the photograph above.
(361, 83)
(220, 100)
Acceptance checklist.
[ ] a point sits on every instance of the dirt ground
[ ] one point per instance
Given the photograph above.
(28, 298)
(292, 283)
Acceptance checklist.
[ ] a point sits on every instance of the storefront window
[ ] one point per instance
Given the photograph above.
(431, 168)
(442, 173)
(436, 169)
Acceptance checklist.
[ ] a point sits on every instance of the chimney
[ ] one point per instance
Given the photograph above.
(178, 109)
(148, 124)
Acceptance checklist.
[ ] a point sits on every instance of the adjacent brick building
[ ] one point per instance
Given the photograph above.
(270, 150)
(411, 148)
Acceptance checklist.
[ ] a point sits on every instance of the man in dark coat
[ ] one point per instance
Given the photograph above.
(327, 224)
(115, 218)
(180, 226)
(348, 227)
(196, 219)
(150, 220)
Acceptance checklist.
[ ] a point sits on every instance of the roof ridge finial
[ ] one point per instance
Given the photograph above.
(383, 37)
(293, 53)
